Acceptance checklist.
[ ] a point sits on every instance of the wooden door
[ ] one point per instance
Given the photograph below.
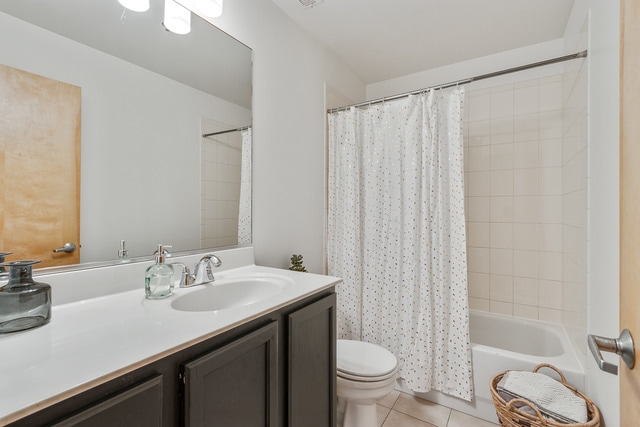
(39, 166)
(630, 204)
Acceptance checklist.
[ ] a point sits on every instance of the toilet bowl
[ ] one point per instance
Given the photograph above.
(366, 373)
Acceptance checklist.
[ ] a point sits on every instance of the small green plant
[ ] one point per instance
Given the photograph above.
(296, 263)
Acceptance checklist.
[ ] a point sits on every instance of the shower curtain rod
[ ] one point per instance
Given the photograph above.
(205, 135)
(582, 54)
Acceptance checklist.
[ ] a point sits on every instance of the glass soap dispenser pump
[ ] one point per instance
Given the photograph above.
(123, 253)
(24, 304)
(158, 279)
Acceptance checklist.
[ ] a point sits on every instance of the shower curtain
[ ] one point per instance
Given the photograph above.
(396, 235)
(244, 210)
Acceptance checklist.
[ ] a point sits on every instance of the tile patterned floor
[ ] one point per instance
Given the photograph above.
(403, 410)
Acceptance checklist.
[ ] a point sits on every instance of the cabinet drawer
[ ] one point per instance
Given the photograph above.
(140, 405)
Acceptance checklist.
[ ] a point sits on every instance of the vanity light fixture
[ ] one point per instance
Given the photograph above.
(209, 8)
(135, 5)
(177, 19)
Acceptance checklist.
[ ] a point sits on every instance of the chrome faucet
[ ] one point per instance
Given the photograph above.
(202, 273)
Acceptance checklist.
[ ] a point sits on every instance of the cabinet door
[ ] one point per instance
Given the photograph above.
(312, 365)
(235, 385)
(138, 406)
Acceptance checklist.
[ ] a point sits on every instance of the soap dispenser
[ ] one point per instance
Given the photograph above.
(24, 304)
(158, 280)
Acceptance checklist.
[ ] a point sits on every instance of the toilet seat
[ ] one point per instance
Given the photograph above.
(361, 361)
(365, 379)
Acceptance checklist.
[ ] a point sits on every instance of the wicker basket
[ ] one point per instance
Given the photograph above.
(510, 416)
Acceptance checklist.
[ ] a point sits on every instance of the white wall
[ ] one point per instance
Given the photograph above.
(575, 162)
(475, 67)
(140, 142)
(289, 76)
(603, 186)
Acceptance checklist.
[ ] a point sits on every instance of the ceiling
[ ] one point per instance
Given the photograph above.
(384, 39)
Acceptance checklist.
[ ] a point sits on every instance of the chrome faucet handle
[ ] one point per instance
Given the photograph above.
(213, 260)
(122, 252)
(186, 278)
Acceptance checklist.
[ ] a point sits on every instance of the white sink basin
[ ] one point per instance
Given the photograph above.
(231, 292)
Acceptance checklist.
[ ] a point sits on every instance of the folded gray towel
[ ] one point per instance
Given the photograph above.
(526, 408)
(551, 397)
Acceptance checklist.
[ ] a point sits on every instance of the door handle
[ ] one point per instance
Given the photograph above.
(622, 346)
(68, 248)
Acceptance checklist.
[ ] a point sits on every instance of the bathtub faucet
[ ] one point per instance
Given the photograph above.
(202, 273)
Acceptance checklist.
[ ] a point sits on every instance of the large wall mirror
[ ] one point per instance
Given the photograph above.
(136, 100)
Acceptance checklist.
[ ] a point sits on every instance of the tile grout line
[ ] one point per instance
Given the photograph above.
(411, 416)
(449, 416)
(385, 417)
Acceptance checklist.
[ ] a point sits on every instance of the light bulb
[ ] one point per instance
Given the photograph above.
(177, 19)
(209, 8)
(135, 5)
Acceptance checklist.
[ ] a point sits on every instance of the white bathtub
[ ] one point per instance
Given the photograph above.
(500, 343)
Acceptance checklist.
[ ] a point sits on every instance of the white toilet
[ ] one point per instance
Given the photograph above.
(366, 373)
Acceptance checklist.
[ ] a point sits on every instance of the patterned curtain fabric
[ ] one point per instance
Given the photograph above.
(244, 212)
(396, 235)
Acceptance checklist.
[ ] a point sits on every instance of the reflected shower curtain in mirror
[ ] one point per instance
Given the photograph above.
(396, 235)
(244, 211)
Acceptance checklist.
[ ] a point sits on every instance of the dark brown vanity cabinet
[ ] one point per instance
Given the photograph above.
(140, 405)
(131, 400)
(235, 385)
(311, 366)
(274, 371)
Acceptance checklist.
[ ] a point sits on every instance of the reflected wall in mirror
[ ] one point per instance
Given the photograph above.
(148, 95)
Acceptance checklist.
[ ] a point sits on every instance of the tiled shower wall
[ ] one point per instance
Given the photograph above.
(221, 158)
(519, 214)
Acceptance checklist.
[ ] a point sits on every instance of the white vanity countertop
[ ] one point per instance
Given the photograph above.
(91, 341)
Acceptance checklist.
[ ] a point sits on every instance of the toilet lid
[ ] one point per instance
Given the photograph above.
(363, 359)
